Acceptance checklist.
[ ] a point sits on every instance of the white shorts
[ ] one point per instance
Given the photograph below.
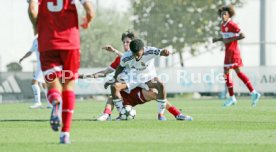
(134, 82)
(133, 85)
(38, 76)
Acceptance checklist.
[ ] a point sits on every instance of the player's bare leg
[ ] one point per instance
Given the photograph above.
(255, 96)
(161, 96)
(45, 90)
(36, 92)
(54, 97)
(106, 115)
(116, 95)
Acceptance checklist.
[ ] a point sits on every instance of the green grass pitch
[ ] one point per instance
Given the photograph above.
(239, 128)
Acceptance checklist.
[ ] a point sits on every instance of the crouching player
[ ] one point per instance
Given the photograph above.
(137, 95)
(142, 74)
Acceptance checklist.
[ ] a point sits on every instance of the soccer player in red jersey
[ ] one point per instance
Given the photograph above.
(231, 33)
(56, 22)
(137, 95)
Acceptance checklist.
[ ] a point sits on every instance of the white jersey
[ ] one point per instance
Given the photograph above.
(38, 75)
(144, 69)
(34, 49)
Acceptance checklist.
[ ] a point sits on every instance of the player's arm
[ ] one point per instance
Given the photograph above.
(33, 12)
(241, 36)
(117, 72)
(25, 56)
(217, 39)
(110, 48)
(89, 13)
(99, 74)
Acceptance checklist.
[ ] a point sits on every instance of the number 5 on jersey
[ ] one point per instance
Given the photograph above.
(55, 8)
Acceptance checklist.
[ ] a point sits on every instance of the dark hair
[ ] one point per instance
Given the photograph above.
(128, 34)
(136, 45)
(229, 8)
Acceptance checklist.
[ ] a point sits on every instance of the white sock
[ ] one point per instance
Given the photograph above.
(233, 98)
(36, 92)
(64, 133)
(161, 106)
(118, 104)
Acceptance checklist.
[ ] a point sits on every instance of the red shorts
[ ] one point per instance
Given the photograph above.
(232, 63)
(134, 98)
(60, 63)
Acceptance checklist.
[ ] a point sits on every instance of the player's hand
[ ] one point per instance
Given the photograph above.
(85, 23)
(20, 60)
(83, 76)
(108, 83)
(214, 40)
(109, 48)
(165, 52)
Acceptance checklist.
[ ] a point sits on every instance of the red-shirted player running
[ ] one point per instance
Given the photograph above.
(56, 23)
(231, 33)
(137, 95)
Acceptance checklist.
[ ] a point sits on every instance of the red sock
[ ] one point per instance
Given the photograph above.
(229, 84)
(174, 111)
(68, 104)
(107, 111)
(53, 95)
(246, 81)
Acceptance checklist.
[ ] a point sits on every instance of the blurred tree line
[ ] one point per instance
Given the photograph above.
(186, 25)
(181, 24)
(106, 28)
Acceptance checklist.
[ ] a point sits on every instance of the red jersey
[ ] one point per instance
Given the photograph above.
(231, 30)
(114, 65)
(57, 25)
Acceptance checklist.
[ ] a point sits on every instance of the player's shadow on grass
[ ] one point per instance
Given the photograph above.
(37, 120)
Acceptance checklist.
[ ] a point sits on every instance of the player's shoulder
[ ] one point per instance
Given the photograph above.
(127, 56)
(149, 48)
(232, 23)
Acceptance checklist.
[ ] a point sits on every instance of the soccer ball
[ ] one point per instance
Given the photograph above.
(127, 113)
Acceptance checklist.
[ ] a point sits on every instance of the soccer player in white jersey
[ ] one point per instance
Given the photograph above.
(143, 74)
(137, 96)
(38, 78)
